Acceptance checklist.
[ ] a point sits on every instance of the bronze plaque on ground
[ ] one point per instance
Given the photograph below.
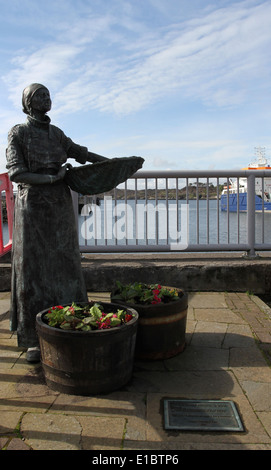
(201, 415)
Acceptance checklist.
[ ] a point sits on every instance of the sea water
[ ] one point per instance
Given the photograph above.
(199, 222)
(135, 222)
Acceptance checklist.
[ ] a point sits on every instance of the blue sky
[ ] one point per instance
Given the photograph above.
(183, 83)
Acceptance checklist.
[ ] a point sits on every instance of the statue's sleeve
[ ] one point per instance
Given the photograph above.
(73, 150)
(78, 152)
(16, 163)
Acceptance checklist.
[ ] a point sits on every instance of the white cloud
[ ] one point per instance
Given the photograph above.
(211, 58)
(46, 65)
(119, 62)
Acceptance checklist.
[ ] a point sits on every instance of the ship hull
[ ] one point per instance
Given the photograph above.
(233, 201)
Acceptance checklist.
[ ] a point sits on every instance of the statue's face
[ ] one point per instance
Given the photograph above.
(41, 100)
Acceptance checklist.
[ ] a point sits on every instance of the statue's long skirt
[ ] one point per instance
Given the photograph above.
(46, 263)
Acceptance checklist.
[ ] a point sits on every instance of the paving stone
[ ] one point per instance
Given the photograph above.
(259, 394)
(223, 315)
(119, 403)
(249, 364)
(3, 442)
(198, 358)
(209, 334)
(136, 428)
(263, 335)
(51, 432)
(238, 336)
(9, 353)
(4, 330)
(17, 444)
(262, 305)
(194, 384)
(207, 300)
(9, 421)
(13, 384)
(4, 302)
(102, 433)
(265, 418)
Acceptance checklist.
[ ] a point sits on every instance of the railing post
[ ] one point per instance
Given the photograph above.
(251, 216)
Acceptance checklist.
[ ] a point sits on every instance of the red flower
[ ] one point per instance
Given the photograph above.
(104, 324)
(128, 317)
(156, 291)
(156, 300)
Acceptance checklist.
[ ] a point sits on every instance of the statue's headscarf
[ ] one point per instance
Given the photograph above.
(28, 94)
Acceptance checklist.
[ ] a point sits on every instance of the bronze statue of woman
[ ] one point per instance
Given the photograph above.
(46, 263)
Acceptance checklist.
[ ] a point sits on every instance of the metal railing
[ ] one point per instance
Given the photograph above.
(164, 211)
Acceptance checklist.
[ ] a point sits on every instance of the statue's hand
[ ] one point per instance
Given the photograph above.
(60, 175)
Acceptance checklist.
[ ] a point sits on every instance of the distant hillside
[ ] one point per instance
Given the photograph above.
(192, 191)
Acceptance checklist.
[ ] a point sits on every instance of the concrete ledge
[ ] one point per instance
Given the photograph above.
(216, 272)
(192, 272)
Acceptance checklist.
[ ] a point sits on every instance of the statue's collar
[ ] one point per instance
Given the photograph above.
(41, 124)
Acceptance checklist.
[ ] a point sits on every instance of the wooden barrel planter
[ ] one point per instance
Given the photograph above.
(161, 328)
(88, 362)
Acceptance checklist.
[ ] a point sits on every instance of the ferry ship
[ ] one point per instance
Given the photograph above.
(262, 188)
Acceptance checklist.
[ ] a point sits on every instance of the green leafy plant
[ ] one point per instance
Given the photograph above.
(85, 318)
(140, 293)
